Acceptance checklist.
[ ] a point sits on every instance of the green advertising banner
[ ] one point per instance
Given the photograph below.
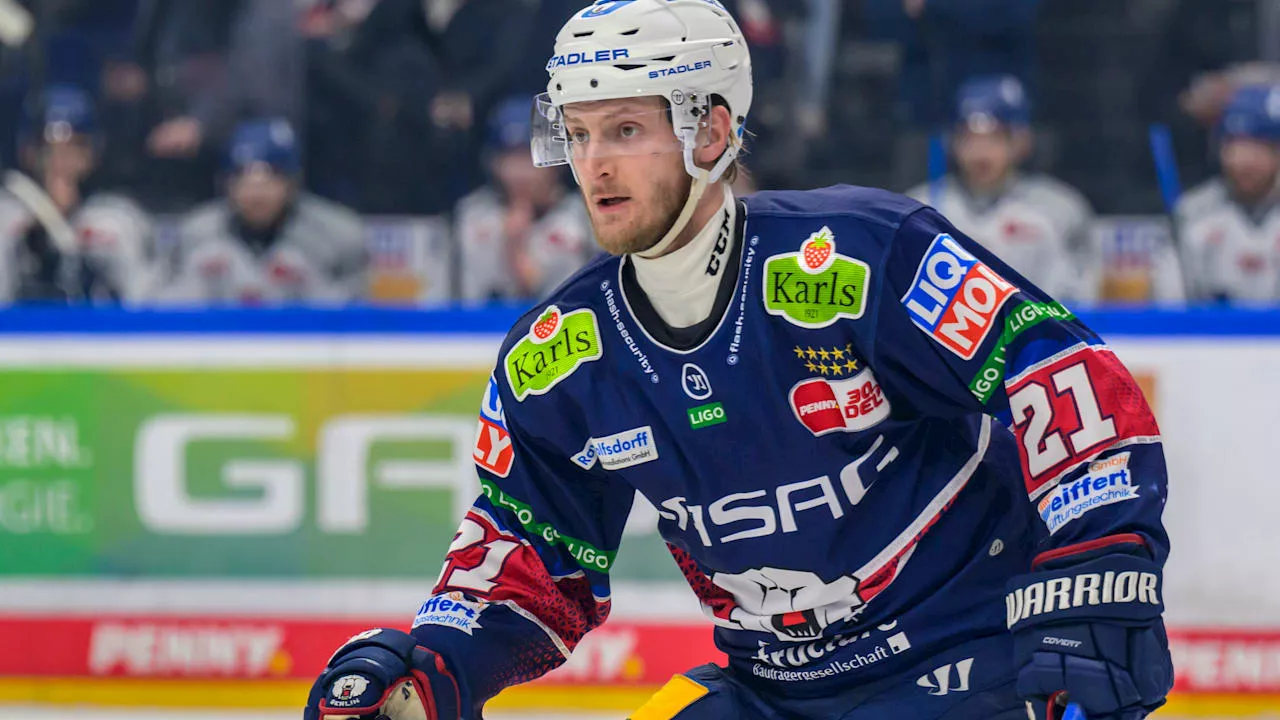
(307, 472)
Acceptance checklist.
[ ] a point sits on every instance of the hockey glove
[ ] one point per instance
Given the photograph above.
(1087, 621)
(384, 673)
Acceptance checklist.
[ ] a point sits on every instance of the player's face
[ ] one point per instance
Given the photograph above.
(259, 195)
(630, 168)
(70, 159)
(985, 158)
(1250, 166)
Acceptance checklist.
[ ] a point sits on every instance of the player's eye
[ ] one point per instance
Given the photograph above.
(629, 131)
(579, 137)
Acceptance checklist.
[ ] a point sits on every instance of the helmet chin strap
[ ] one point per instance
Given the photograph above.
(702, 179)
(696, 191)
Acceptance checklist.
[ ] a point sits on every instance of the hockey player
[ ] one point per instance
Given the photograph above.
(62, 239)
(1038, 225)
(269, 241)
(1229, 227)
(901, 480)
(524, 233)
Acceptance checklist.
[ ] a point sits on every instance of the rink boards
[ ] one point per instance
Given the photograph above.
(162, 586)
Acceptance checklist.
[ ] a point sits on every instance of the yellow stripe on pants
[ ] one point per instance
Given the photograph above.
(679, 693)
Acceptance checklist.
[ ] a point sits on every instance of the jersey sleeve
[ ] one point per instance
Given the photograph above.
(958, 331)
(527, 574)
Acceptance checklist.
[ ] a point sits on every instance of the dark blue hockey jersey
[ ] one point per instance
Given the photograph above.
(880, 424)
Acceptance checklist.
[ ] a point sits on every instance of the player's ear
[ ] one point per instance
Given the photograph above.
(715, 137)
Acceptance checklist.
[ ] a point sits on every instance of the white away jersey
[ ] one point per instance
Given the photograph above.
(1041, 227)
(1228, 254)
(320, 256)
(555, 246)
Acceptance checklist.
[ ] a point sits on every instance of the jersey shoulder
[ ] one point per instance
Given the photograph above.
(1052, 190)
(329, 219)
(205, 221)
(869, 205)
(867, 216)
(481, 201)
(1203, 199)
(560, 333)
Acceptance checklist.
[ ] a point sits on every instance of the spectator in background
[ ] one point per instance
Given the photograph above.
(371, 81)
(1229, 227)
(197, 68)
(267, 242)
(62, 239)
(523, 234)
(1038, 225)
(945, 42)
(1199, 57)
(395, 87)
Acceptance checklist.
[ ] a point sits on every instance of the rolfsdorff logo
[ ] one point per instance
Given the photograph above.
(554, 348)
(620, 450)
(1083, 590)
(615, 313)
(816, 286)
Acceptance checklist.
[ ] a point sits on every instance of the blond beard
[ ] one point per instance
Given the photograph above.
(625, 241)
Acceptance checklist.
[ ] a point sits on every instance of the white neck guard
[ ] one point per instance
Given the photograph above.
(682, 285)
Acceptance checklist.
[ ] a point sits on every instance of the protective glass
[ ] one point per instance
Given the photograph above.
(603, 129)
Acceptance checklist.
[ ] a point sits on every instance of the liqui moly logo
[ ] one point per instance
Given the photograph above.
(955, 297)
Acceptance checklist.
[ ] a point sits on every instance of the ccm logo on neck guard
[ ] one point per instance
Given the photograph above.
(1084, 590)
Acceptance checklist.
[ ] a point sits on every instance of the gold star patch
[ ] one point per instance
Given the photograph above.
(837, 353)
(811, 367)
(823, 354)
(851, 365)
(824, 369)
(812, 354)
(799, 352)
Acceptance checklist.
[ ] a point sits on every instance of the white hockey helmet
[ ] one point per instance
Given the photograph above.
(682, 50)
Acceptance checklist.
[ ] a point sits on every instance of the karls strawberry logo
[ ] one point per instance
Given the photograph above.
(556, 345)
(817, 251)
(815, 286)
(546, 325)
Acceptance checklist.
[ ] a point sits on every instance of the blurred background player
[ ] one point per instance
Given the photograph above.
(1229, 227)
(1039, 225)
(268, 241)
(62, 240)
(523, 233)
